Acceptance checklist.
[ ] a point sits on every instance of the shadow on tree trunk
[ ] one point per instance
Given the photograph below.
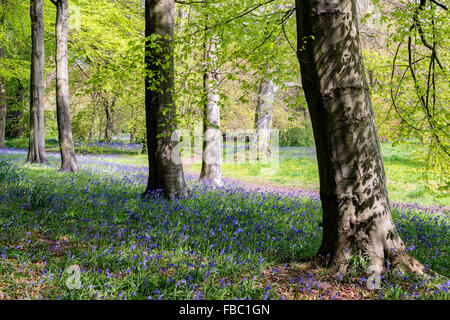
(356, 211)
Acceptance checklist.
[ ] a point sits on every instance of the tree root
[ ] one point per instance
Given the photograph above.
(400, 262)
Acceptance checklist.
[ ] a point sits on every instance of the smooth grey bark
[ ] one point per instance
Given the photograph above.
(165, 168)
(356, 210)
(67, 150)
(2, 106)
(36, 150)
(263, 117)
(212, 138)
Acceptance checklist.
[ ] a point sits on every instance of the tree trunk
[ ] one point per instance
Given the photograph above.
(36, 150)
(2, 106)
(68, 159)
(2, 90)
(133, 129)
(91, 127)
(165, 168)
(212, 138)
(16, 126)
(263, 117)
(133, 134)
(109, 111)
(356, 211)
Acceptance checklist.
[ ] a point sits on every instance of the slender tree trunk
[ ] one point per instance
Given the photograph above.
(133, 129)
(133, 134)
(212, 138)
(95, 100)
(109, 111)
(3, 102)
(91, 127)
(2, 106)
(263, 117)
(21, 123)
(2, 112)
(36, 150)
(356, 211)
(67, 150)
(165, 168)
(16, 128)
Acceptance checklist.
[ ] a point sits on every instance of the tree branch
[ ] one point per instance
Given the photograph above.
(230, 19)
(439, 4)
(285, 18)
(188, 2)
(416, 23)
(393, 98)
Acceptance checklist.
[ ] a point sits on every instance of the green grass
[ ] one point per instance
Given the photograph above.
(22, 143)
(91, 147)
(405, 175)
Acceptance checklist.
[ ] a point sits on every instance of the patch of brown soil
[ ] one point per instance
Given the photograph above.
(303, 282)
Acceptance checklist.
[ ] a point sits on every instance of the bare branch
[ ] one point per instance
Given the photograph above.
(188, 2)
(231, 19)
(285, 18)
(439, 4)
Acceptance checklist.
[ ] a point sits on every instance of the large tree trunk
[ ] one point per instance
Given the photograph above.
(212, 139)
(36, 150)
(263, 117)
(165, 168)
(2, 106)
(68, 159)
(356, 211)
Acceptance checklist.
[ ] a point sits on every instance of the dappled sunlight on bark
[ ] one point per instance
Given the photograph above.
(356, 211)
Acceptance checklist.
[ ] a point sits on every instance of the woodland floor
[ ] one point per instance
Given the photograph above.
(246, 241)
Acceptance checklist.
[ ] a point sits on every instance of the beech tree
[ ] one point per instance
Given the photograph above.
(109, 112)
(263, 116)
(67, 150)
(212, 139)
(2, 88)
(356, 210)
(165, 168)
(36, 150)
(2, 106)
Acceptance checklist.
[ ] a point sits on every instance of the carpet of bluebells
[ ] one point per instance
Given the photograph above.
(85, 147)
(98, 147)
(217, 243)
